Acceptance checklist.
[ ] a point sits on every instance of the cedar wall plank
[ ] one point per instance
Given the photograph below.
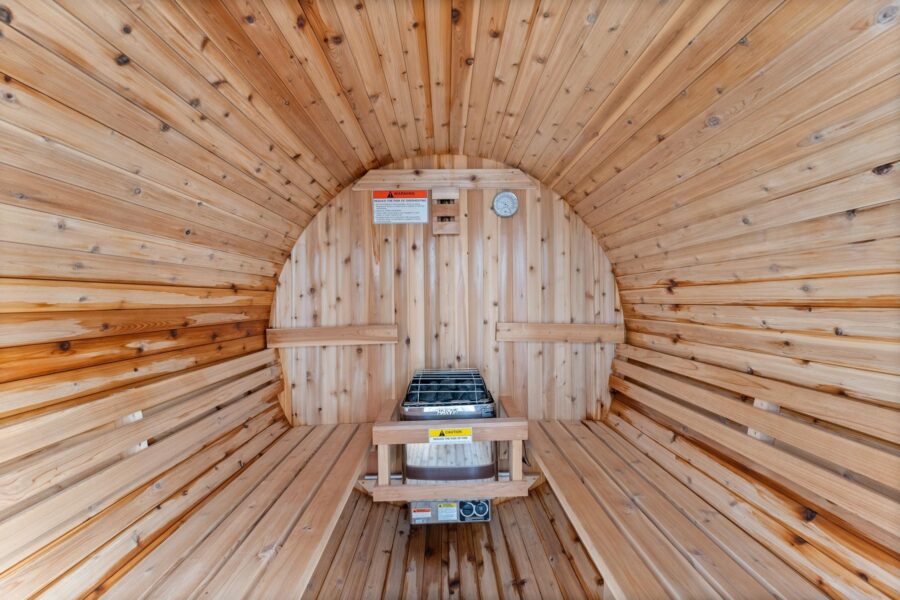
(450, 330)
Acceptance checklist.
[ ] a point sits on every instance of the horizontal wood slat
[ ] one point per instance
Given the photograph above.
(483, 430)
(470, 179)
(450, 491)
(570, 333)
(350, 335)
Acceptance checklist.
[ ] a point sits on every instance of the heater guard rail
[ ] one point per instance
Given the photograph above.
(389, 433)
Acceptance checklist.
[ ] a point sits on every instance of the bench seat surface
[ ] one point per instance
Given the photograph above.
(262, 533)
(653, 534)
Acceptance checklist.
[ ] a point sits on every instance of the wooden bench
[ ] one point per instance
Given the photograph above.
(263, 533)
(660, 524)
(650, 536)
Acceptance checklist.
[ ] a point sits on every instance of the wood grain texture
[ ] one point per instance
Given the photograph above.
(361, 335)
(447, 294)
(572, 333)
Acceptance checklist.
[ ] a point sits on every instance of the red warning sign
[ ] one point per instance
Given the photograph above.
(382, 194)
(399, 206)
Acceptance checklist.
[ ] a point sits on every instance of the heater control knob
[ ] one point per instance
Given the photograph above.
(481, 509)
(467, 509)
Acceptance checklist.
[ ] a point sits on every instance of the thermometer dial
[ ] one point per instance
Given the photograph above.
(505, 204)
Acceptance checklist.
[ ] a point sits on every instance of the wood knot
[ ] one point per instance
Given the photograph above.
(494, 33)
(301, 22)
(886, 14)
(337, 40)
(358, 6)
(455, 15)
(64, 346)
(5, 14)
(122, 60)
(713, 121)
(127, 29)
(250, 19)
(470, 61)
(883, 169)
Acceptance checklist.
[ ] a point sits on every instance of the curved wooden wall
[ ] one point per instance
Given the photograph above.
(447, 294)
(736, 160)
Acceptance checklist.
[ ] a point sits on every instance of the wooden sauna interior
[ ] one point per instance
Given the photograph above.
(692, 322)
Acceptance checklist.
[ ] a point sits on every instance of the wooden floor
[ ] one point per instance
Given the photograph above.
(529, 550)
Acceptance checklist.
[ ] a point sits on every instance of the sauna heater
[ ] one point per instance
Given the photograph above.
(449, 456)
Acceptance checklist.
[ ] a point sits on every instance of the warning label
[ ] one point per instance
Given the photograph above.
(447, 511)
(421, 513)
(399, 206)
(454, 435)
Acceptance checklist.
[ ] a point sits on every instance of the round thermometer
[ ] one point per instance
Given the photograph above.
(505, 204)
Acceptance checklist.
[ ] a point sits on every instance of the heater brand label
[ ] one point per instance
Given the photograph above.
(399, 206)
(450, 435)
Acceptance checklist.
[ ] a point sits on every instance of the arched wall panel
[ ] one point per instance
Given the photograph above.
(447, 293)
(737, 161)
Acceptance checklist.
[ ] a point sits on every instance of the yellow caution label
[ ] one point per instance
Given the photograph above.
(450, 435)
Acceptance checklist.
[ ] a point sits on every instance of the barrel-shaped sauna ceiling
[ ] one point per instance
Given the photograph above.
(718, 175)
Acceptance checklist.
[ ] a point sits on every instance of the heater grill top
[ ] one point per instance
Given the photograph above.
(447, 387)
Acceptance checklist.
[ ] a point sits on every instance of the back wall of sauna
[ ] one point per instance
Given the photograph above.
(447, 294)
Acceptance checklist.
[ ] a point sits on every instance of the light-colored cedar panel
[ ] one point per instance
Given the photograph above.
(38, 328)
(351, 22)
(38, 392)
(866, 385)
(379, 179)
(97, 58)
(848, 227)
(25, 260)
(116, 112)
(493, 489)
(856, 192)
(152, 527)
(444, 295)
(294, 98)
(44, 430)
(242, 568)
(570, 333)
(865, 291)
(182, 33)
(625, 573)
(25, 295)
(352, 335)
(771, 90)
(736, 494)
(288, 17)
(872, 420)
(727, 574)
(50, 230)
(872, 113)
(43, 522)
(874, 355)
(151, 48)
(31, 476)
(302, 548)
(853, 500)
(52, 562)
(863, 257)
(880, 323)
(41, 359)
(418, 432)
(876, 464)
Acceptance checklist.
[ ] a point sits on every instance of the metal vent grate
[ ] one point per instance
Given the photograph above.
(446, 387)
